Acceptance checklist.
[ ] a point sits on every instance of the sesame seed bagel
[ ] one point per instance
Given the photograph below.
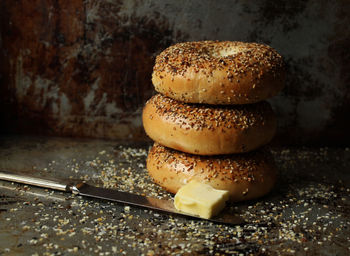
(215, 72)
(207, 129)
(245, 176)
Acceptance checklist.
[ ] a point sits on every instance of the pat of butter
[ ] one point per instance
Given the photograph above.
(200, 199)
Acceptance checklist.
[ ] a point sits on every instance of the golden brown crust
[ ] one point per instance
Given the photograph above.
(245, 176)
(215, 72)
(207, 129)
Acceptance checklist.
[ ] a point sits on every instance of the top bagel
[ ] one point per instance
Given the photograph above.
(214, 72)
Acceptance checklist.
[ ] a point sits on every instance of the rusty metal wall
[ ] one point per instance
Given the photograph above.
(83, 68)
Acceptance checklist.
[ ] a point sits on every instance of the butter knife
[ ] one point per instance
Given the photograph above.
(84, 189)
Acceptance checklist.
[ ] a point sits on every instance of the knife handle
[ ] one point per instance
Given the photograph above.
(40, 182)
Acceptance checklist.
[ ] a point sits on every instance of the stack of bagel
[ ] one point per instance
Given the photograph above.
(210, 119)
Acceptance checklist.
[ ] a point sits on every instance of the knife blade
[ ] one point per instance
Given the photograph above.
(84, 189)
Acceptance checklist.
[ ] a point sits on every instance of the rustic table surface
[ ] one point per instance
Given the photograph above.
(308, 212)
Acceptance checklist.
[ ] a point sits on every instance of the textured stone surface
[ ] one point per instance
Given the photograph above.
(83, 68)
(307, 213)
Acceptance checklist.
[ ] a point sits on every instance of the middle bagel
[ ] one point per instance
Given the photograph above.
(208, 130)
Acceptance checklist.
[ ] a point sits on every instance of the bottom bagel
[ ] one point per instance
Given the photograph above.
(246, 176)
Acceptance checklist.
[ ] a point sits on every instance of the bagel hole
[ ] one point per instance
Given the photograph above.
(227, 52)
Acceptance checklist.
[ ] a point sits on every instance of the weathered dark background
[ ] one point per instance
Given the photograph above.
(83, 68)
